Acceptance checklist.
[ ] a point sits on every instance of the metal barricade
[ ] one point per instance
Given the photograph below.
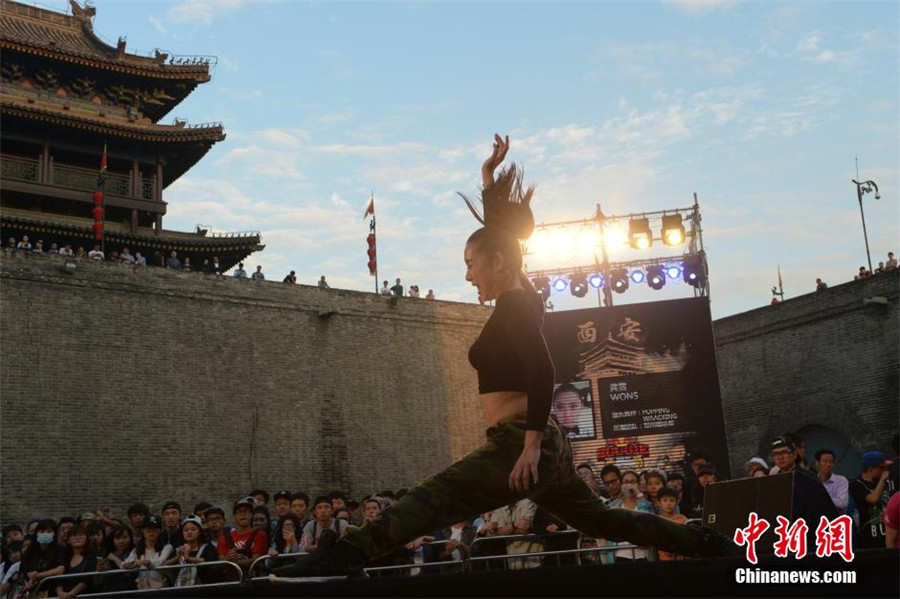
(426, 567)
(497, 546)
(53, 580)
(472, 561)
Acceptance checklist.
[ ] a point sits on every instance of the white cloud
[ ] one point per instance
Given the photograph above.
(201, 11)
(157, 24)
(696, 7)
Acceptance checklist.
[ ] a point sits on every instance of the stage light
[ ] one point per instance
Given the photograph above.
(618, 280)
(672, 229)
(560, 284)
(639, 234)
(693, 271)
(541, 243)
(578, 284)
(542, 286)
(614, 236)
(637, 276)
(596, 280)
(656, 277)
(674, 271)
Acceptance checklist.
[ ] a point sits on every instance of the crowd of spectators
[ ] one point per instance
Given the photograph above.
(143, 541)
(890, 264)
(397, 290)
(209, 266)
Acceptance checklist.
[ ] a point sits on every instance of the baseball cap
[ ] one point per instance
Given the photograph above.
(246, 501)
(757, 460)
(874, 459)
(151, 520)
(195, 520)
(707, 469)
(783, 441)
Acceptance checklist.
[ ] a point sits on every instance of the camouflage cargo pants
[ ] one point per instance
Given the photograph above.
(478, 483)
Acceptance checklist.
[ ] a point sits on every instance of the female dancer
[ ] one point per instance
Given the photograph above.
(525, 454)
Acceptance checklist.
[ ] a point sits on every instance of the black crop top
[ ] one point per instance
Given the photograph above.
(511, 355)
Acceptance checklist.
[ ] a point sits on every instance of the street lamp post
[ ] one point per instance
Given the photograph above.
(862, 188)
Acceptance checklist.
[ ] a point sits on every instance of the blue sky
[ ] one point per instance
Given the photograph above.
(759, 108)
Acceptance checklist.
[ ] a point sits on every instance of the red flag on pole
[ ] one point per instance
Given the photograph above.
(98, 199)
(370, 209)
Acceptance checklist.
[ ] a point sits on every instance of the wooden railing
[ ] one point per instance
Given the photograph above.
(20, 168)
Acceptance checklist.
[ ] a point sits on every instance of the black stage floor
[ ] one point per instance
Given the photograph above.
(877, 575)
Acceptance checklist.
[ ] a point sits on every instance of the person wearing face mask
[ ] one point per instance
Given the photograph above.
(632, 499)
(44, 557)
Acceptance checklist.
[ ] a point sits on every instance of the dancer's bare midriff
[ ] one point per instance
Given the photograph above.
(504, 405)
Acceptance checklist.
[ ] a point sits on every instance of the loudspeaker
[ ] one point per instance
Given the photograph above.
(727, 505)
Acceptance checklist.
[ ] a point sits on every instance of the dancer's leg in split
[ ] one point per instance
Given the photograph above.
(478, 483)
(571, 500)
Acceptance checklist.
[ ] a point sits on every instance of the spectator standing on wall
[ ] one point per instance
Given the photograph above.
(216, 266)
(821, 285)
(173, 261)
(323, 284)
(187, 264)
(126, 258)
(290, 278)
(385, 290)
(891, 262)
(206, 267)
(25, 244)
(414, 291)
(430, 295)
(66, 250)
(397, 289)
(258, 275)
(239, 272)
(39, 247)
(836, 485)
(96, 253)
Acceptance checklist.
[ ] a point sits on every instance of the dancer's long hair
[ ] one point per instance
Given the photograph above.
(507, 219)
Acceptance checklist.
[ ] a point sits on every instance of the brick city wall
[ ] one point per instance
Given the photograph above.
(121, 385)
(118, 385)
(829, 358)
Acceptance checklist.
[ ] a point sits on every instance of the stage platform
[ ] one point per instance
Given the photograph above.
(876, 573)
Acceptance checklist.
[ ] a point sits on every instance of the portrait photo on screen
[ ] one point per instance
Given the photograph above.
(573, 407)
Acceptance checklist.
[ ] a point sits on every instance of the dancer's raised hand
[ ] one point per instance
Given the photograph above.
(501, 147)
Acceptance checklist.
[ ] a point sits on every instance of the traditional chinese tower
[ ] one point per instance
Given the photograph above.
(65, 95)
